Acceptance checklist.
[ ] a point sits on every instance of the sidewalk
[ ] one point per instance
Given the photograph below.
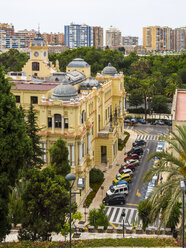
(109, 175)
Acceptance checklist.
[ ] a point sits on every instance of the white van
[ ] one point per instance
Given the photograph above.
(118, 189)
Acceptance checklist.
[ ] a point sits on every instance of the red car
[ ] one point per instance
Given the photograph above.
(128, 166)
(131, 156)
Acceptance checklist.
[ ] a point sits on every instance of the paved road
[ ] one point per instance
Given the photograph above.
(131, 216)
(137, 188)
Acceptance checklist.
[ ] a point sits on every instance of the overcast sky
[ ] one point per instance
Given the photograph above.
(127, 15)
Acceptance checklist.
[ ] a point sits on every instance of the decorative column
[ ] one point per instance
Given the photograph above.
(80, 153)
(69, 153)
(62, 124)
(89, 143)
(84, 149)
(53, 123)
(73, 156)
(120, 107)
(45, 152)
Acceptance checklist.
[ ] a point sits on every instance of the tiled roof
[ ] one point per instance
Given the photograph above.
(34, 86)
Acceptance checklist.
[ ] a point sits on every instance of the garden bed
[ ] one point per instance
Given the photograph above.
(132, 242)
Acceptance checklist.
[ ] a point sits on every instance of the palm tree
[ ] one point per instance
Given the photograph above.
(167, 194)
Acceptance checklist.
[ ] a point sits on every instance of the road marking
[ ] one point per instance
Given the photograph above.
(138, 193)
(131, 204)
(115, 227)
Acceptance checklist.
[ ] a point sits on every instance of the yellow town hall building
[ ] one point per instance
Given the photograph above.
(87, 113)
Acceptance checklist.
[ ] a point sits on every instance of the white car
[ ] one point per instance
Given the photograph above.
(134, 162)
(159, 148)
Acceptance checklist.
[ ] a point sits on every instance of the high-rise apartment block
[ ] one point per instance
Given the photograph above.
(8, 28)
(164, 38)
(98, 37)
(2, 39)
(129, 41)
(77, 35)
(178, 39)
(113, 37)
(54, 38)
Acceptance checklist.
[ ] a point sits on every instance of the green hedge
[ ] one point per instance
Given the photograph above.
(95, 187)
(122, 143)
(137, 110)
(132, 242)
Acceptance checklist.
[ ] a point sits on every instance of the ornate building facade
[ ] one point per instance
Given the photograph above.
(87, 113)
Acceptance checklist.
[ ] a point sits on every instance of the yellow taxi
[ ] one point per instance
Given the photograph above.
(123, 177)
(156, 163)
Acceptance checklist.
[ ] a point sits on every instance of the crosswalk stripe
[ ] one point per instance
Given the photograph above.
(134, 215)
(127, 215)
(115, 215)
(147, 137)
(131, 215)
(119, 217)
(110, 214)
(106, 210)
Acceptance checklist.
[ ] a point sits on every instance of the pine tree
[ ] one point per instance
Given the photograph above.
(32, 129)
(14, 148)
(59, 157)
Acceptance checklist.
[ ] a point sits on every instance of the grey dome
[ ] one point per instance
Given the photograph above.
(38, 40)
(109, 70)
(89, 84)
(59, 77)
(78, 62)
(64, 91)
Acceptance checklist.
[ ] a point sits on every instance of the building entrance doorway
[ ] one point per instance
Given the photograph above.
(103, 154)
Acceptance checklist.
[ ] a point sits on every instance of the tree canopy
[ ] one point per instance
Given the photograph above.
(173, 163)
(45, 204)
(15, 146)
(13, 60)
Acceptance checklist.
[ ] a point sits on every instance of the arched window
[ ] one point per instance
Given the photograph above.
(57, 120)
(35, 66)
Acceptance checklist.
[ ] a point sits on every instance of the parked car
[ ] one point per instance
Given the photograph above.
(168, 123)
(131, 156)
(119, 183)
(128, 166)
(156, 163)
(118, 189)
(135, 150)
(159, 122)
(134, 162)
(114, 199)
(133, 121)
(139, 143)
(125, 171)
(127, 121)
(142, 121)
(125, 177)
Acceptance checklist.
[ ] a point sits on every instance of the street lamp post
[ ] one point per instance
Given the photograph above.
(71, 179)
(183, 189)
(123, 215)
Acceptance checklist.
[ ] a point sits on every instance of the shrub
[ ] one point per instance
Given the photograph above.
(96, 176)
(97, 217)
(122, 143)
